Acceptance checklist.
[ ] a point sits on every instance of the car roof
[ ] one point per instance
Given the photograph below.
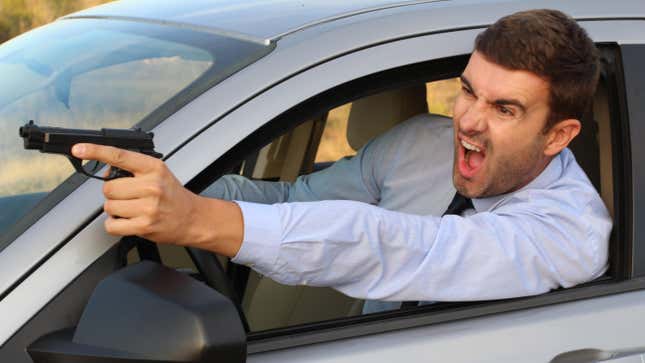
(269, 20)
(260, 20)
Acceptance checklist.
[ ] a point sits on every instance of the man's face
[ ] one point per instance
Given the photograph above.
(499, 117)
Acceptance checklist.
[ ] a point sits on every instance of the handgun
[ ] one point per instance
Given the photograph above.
(58, 140)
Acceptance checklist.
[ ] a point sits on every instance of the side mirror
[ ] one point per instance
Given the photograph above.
(149, 313)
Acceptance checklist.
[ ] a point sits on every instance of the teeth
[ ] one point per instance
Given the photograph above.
(470, 146)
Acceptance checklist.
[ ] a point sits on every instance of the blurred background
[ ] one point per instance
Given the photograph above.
(113, 96)
(18, 16)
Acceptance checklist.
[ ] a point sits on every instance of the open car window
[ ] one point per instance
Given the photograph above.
(271, 308)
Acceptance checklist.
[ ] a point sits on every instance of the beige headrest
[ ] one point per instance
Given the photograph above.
(373, 115)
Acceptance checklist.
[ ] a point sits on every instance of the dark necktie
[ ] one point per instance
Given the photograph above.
(457, 206)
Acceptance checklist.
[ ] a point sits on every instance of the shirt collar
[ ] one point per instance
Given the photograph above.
(547, 177)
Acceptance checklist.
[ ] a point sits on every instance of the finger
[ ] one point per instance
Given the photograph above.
(124, 159)
(131, 188)
(126, 226)
(126, 208)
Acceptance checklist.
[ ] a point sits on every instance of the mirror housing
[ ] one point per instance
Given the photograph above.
(149, 312)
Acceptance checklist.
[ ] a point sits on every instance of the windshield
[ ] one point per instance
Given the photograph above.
(91, 74)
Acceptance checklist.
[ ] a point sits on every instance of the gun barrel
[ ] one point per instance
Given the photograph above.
(32, 135)
(60, 140)
(57, 140)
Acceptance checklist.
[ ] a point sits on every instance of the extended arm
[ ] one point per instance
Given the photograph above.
(542, 239)
(378, 254)
(345, 179)
(402, 168)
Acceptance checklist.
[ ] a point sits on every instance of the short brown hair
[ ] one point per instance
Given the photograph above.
(551, 45)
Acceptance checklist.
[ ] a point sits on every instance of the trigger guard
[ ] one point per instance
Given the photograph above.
(78, 166)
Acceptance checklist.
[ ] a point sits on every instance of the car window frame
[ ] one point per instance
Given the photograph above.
(331, 331)
(634, 108)
(293, 336)
(281, 338)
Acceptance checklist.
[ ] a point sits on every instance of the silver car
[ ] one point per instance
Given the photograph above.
(272, 90)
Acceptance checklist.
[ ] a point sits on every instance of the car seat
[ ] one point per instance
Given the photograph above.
(268, 304)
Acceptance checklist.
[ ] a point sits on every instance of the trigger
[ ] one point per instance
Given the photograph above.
(77, 164)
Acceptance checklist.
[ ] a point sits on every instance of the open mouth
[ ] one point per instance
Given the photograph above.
(471, 158)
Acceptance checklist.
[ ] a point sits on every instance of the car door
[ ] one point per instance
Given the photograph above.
(604, 315)
(51, 83)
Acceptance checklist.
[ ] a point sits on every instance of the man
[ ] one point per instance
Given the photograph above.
(537, 222)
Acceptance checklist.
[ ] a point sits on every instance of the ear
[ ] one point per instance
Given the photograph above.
(560, 135)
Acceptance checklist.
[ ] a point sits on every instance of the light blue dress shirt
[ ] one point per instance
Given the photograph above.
(553, 232)
(407, 169)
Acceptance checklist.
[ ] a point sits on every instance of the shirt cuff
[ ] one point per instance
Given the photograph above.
(262, 236)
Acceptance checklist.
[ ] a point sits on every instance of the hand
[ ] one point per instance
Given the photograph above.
(153, 204)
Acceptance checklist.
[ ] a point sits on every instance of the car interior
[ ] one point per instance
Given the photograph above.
(268, 304)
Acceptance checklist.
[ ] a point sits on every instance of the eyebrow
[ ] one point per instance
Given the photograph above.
(500, 102)
(465, 81)
(513, 102)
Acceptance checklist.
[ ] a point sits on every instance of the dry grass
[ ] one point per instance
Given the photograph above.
(40, 173)
(18, 16)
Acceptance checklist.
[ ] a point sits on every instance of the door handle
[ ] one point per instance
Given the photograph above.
(590, 355)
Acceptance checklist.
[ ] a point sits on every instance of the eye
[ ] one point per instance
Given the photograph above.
(506, 111)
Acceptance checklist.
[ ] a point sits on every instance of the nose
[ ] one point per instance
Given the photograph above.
(473, 120)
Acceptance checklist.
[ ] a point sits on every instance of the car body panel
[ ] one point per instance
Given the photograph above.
(532, 335)
(92, 242)
(271, 19)
(38, 265)
(261, 20)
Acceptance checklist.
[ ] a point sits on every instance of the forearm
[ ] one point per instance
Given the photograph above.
(344, 180)
(237, 187)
